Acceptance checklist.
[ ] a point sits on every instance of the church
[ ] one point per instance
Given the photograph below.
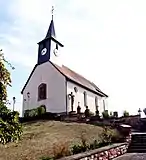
(56, 86)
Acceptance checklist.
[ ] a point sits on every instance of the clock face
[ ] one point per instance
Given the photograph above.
(55, 51)
(44, 51)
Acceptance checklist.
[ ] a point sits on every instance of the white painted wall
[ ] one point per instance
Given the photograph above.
(79, 97)
(57, 59)
(56, 89)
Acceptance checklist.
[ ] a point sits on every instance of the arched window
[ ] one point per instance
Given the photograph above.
(85, 98)
(96, 101)
(42, 91)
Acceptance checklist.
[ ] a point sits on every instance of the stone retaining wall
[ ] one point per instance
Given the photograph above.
(104, 153)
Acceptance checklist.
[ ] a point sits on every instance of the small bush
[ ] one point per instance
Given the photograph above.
(60, 150)
(115, 114)
(94, 145)
(105, 114)
(26, 113)
(31, 113)
(125, 114)
(78, 148)
(91, 114)
(35, 112)
(109, 136)
(106, 135)
(41, 110)
(117, 137)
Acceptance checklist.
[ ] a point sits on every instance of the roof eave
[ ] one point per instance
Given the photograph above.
(29, 78)
(53, 40)
(100, 94)
(67, 78)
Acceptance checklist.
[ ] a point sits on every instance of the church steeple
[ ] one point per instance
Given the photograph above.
(48, 47)
(51, 30)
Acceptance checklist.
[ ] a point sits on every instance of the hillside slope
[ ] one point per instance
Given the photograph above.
(38, 139)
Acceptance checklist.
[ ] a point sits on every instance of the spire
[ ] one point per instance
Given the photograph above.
(51, 30)
(52, 11)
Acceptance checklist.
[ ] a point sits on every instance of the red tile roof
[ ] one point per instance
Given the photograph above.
(80, 80)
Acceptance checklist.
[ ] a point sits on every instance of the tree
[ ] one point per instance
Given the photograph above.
(10, 128)
(5, 79)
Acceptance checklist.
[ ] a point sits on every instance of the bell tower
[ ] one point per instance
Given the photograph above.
(49, 47)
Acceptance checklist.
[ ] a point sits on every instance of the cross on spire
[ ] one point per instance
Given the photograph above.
(52, 11)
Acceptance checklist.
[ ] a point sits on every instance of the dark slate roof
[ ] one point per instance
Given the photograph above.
(80, 80)
(51, 31)
(51, 34)
(73, 77)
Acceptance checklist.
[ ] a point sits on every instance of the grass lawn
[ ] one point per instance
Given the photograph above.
(39, 137)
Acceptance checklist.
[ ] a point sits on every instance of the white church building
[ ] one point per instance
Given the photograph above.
(56, 86)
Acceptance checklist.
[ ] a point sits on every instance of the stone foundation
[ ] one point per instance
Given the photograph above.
(104, 153)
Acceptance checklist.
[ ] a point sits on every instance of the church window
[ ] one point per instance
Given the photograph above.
(85, 98)
(42, 91)
(96, 101)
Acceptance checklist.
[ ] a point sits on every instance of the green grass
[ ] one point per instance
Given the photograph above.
(38, 139)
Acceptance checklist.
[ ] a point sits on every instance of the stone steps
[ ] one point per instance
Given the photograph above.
(137, 151)
(138, 143)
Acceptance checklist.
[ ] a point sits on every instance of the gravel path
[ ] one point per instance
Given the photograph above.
(132, 156)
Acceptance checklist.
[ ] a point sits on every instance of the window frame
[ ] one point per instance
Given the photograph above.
(85, 98)
(96, 101)
(42, 91)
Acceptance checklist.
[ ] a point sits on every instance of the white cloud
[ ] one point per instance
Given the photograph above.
(104, 41)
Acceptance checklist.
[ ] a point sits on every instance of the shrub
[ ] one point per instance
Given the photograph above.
(35, 112)
(116, 137)
(125, 113)
(94, 145)
(26, 113)
(60, 150)
(41, 110)
(78, 148)
(115, 114)
(109, 136)
(105, 114)
(91, 114)
(105, 135)
(10, 128)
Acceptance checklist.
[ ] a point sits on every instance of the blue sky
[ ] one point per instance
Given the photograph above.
(103, 40)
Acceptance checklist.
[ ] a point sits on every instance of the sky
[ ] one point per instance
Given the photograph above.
(105, 41)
